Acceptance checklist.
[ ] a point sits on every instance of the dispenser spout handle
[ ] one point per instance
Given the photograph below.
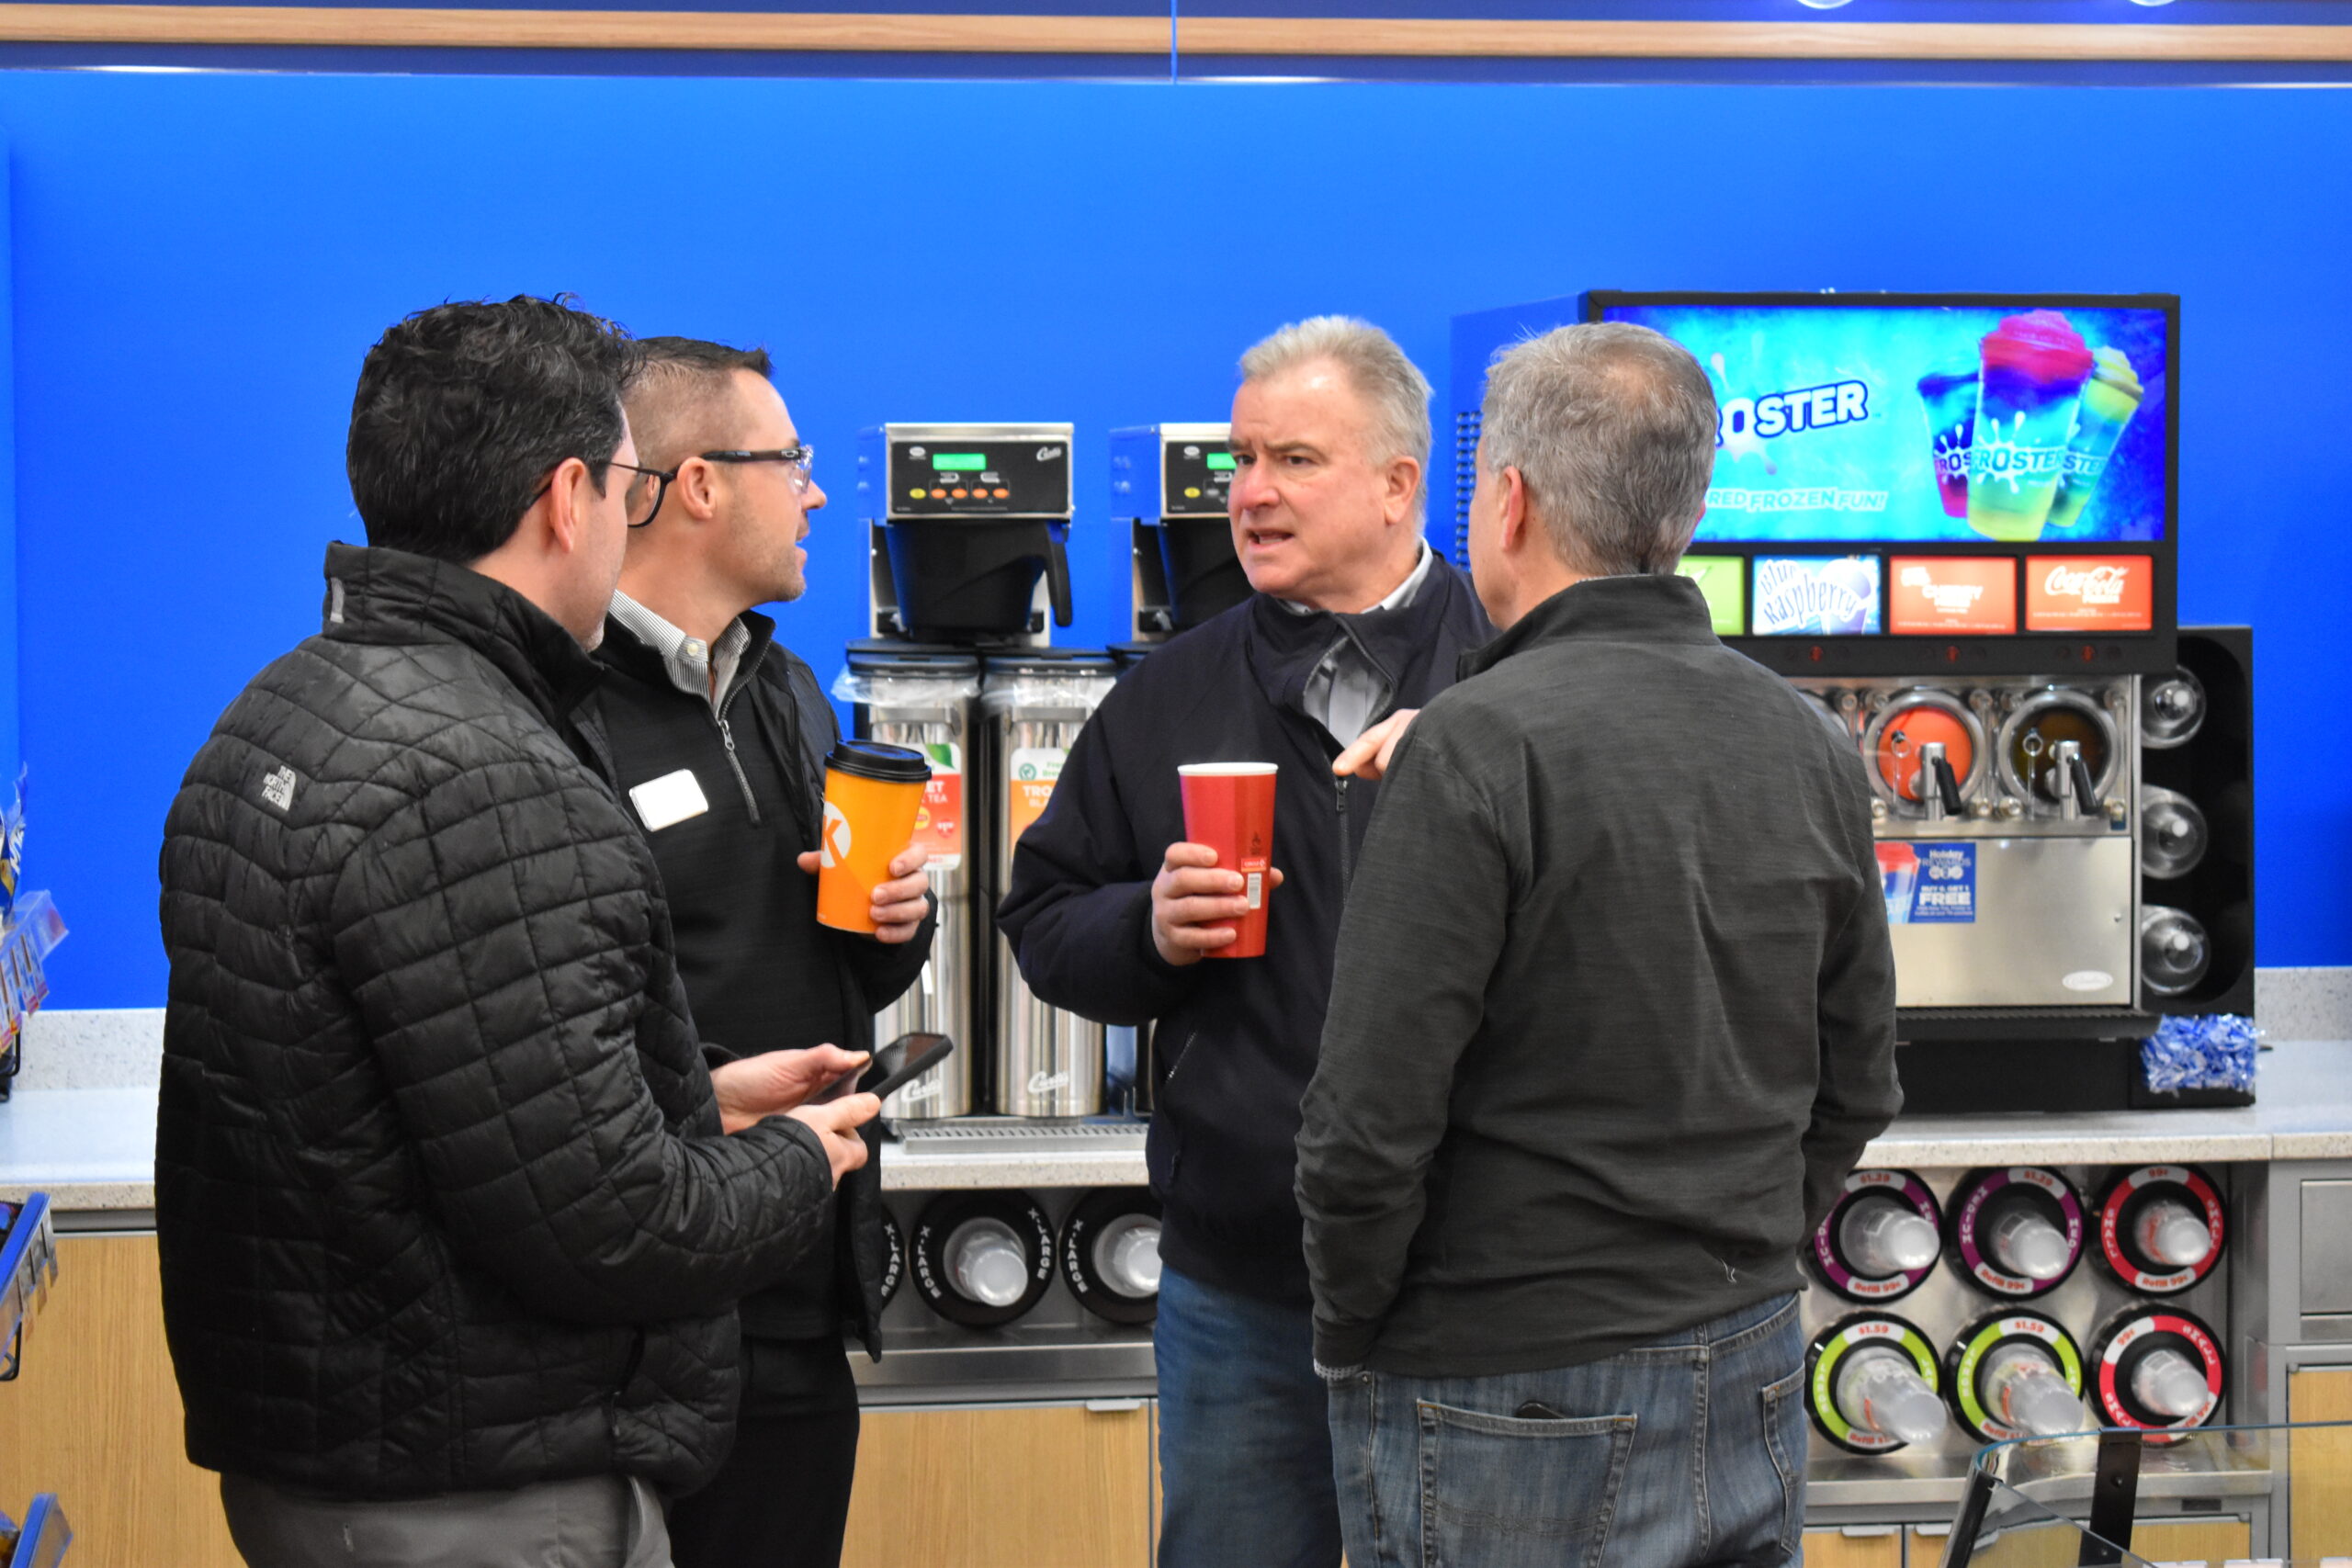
(1948, 787)
(1937, 786)
(2073, 784)
(1057, 577)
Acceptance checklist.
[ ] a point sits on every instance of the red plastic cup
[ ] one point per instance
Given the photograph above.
(1229, 807)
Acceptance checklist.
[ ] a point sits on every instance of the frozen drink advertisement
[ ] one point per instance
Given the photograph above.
(1846, 421)
(2109, 398)
(1951, 403)
(2034, 368)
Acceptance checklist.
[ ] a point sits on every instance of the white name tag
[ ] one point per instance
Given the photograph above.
(669, 799)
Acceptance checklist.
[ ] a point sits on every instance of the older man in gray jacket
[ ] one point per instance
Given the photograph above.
(1614, 1016)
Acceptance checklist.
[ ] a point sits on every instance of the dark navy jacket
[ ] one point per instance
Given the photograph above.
(1236, 1038)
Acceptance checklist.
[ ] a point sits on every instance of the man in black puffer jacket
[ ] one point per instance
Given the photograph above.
(451, 1238)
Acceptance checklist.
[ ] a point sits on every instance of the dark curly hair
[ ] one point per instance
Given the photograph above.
(463, 410)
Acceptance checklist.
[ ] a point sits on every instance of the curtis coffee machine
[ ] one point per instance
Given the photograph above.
(970, 527)
(991, 1291)
(1172, 485)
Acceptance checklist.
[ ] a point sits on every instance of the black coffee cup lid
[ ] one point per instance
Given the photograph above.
(873, 759)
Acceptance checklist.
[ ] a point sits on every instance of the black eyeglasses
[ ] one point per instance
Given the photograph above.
(645, 494)
(634, 500)
(800, 457)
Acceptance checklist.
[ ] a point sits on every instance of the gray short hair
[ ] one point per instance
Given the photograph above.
(1391, 385)
(1611, 427)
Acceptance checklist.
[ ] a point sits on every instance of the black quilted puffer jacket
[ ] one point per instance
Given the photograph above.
(442, 1200)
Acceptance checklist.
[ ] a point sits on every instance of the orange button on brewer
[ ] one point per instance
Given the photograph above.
(1909, 729)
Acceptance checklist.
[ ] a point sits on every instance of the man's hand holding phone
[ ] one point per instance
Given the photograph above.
(782, 1083)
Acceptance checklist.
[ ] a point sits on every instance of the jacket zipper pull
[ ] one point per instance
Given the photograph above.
(735, 765)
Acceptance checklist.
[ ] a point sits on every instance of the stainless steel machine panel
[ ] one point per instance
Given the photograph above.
(2053, 928)
(1054, 1350)
(1947, 1301)
(2327, 1247)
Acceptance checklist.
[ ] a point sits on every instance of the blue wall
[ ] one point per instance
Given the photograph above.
(200, 262)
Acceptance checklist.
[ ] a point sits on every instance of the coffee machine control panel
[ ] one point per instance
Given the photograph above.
(931, 471)
(1170, 470)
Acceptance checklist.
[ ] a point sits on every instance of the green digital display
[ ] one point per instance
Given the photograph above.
(1220, 459)
(960, 461)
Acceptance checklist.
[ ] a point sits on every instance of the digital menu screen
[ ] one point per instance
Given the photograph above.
(1815, 596)
(1951, 595)
(1918, 424)
(2089, 593)
(1724, 581)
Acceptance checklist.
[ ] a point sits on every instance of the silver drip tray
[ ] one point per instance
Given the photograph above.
(967, 1152)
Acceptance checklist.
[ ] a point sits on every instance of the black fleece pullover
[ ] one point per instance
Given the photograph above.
(1614, 1007)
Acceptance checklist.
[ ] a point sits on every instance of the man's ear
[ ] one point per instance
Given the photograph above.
(571, 493)
(1400, 480)
(1512, 507)
(696, 489)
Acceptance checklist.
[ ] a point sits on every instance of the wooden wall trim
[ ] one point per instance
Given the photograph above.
(899, 33)
(421, 27)
(1762, 41)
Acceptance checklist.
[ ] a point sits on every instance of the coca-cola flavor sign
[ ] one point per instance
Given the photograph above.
(2089, 593)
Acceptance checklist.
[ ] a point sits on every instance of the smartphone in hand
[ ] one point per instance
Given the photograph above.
(901, 1061)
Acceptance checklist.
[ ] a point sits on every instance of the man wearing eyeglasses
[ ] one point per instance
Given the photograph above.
(453, 1218)
(719, 736)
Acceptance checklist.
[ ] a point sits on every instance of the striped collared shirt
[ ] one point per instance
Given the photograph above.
(691, 662)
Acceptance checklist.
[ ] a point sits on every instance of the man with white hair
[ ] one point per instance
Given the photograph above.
(1612, 1019)
(1112, 912)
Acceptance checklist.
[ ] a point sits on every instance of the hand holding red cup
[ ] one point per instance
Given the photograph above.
(1230, 807)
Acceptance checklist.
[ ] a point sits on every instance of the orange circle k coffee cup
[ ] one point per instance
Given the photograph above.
(872, 793)
(1229, 807)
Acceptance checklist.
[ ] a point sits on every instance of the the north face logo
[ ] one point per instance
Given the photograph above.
(277, 788)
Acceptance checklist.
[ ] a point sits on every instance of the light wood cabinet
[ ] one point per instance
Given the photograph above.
(2319, 1464)
(96, 1418)
(1836, 1549)
(1052, 1486)
(2193, 1540)
(2058, 1546)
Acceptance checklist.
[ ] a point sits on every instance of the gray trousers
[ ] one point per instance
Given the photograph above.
(606, 1521)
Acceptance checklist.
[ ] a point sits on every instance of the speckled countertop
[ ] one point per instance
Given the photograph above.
(82, 1127)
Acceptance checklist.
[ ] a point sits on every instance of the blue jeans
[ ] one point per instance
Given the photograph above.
(1245, 1440)
(1687, 1451)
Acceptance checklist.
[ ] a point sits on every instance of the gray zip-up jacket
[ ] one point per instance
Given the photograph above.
(1615, 1008)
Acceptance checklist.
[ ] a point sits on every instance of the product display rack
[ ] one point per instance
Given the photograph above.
(28, 1268)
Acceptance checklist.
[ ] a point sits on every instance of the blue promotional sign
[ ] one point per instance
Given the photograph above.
(1929, 885)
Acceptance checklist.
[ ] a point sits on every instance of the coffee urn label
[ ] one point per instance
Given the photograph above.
(939, 822)
(1030, 774)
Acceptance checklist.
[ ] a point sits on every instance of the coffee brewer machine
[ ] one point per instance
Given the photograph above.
(1950, 521)
(970, 525)
(1172, 484)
